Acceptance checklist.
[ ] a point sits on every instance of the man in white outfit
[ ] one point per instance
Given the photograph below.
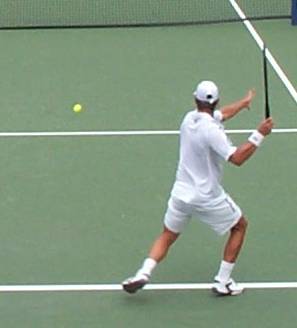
(197, 191)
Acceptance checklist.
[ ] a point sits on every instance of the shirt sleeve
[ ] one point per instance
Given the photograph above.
(220, 143)
(218, 115)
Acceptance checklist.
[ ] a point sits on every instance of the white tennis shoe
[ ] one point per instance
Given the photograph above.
(131, 285)
(230, 288)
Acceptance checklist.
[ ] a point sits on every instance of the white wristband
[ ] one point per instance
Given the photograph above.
(256, 138)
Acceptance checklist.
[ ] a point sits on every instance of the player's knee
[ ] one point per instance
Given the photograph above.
(241, 225)
(244, 222)
(170, 236)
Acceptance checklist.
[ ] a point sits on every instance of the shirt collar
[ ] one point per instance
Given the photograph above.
(204, 115)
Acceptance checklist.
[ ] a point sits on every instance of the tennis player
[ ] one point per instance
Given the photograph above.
(197, 191)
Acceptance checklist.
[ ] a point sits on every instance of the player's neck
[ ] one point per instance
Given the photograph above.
(206, 110)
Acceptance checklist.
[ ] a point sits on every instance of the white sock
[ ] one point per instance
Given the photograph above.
(224, 271)
(147, 267)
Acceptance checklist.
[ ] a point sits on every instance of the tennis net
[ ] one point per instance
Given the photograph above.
(121, 13)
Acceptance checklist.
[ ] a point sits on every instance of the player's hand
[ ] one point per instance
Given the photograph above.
(266, 126)
(246, 101)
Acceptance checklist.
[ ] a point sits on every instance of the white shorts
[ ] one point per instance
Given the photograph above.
(221, 217)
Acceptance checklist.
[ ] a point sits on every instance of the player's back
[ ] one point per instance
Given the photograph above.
(199, 169)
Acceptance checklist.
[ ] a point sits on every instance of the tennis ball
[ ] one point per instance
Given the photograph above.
(77, 108)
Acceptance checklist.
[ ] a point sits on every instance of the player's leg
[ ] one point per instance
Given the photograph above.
(157, 253)
(235, 240)
(162, 244)
(224, 284)
(226, 216)
(175, 220)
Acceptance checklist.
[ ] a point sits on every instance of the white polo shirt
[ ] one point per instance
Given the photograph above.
(204, 147)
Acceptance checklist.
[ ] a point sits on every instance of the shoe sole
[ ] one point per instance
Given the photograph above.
(231, 293)
(133, 287)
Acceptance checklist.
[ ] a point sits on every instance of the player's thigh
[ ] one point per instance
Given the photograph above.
(177, 216)
(222, 216)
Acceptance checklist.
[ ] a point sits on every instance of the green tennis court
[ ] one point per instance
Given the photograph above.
(81, 204)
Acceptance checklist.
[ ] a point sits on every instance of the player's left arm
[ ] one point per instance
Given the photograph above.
(231, 110)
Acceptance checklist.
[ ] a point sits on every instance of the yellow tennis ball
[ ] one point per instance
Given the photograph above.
(77, 108)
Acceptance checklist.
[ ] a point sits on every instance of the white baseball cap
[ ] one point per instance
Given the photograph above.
(207, 91)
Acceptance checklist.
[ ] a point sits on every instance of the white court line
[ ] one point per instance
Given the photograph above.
(122, 133)
(118, 287)
(269, 56)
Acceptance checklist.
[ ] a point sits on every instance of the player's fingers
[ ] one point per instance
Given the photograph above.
(251, 94)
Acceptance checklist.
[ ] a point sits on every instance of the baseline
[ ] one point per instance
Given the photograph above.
(118, 287)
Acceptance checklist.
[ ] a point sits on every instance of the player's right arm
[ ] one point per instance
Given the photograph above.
(231, 110)
(247, 149)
